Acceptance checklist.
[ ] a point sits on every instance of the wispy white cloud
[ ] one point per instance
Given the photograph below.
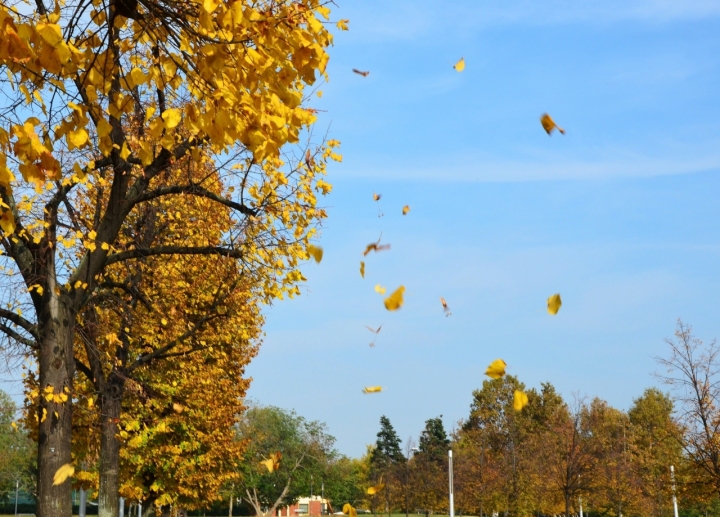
(485, 168)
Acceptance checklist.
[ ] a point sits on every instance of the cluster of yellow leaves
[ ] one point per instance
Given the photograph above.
(242, 68)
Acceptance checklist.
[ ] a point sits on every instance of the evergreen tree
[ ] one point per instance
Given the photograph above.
(433, 440)
(387, 447)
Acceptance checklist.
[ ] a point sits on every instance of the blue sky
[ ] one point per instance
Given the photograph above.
(620, 215)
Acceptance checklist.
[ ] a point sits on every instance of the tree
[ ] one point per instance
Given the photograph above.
(345, 480)
(306, 450)
(568, 453)
(385, 463)
(434, 441)
(656, 445)
(16, 451)
(692, 372)
(223, 76)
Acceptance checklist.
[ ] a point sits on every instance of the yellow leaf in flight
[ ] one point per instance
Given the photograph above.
(395, 300)
(380, 289)
(375, 489)
(349, 510)
(177, 407)
(372, 389)
(445, 306)
(375, 246)
(460, 65)
(273, 462)
(406, 209)
(361, 72)
(496, 369)
(63, 473)
(520, 400)
(553, 304)
(549, 124)
(315, 252)
(376, 197)
(362, 269)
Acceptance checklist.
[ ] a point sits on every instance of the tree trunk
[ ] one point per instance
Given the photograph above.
(108, 493)
(56, 368)
(567, 504)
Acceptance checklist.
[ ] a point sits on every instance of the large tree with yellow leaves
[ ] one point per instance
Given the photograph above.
(107, 96)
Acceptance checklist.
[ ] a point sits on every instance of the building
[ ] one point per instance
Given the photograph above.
(311, 506)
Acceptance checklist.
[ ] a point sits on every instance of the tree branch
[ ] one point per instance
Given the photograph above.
(172, 250)
(17, 337)
(19, 321)
(195, 190)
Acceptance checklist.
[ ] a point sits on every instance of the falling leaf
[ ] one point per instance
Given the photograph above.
(374, 331)
(349, 510)
(177, 407)
(375, 489)
(445, 306)
(380, 289)
(549, 124)
(496, 369)
(360, 72)
(315, 252)
(520, 400)
(395, 300)
(372, 389)
(460, 65)
(406, 209)
(309, 161)
(63, 473)
(554, 303)
(376, 197)
(375, 246)
(362, 269)
(273, 462)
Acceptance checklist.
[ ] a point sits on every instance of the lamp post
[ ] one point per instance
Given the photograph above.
(17, 488)
(450, 483)
(672, 480)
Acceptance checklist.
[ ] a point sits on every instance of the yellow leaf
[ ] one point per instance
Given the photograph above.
(7, 222)
(163, 321)
(63, 473)
(171, 117)
(137, 76)
(406, 209)
(90, 402)
(315, 252)
(520, 400)
(342, 25)
(496, 369)
(324, 11)
(375, 489)
(549, 124)
(362, 269)
(210, 5)
(553, 304)
(380, 289)
(177, 407)
(105, 246)
(273, 462)
(372, 389)
(125, 151)
(460, 65)
(77, 138)
(50, 32)
(349, 510)
(395, 300)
